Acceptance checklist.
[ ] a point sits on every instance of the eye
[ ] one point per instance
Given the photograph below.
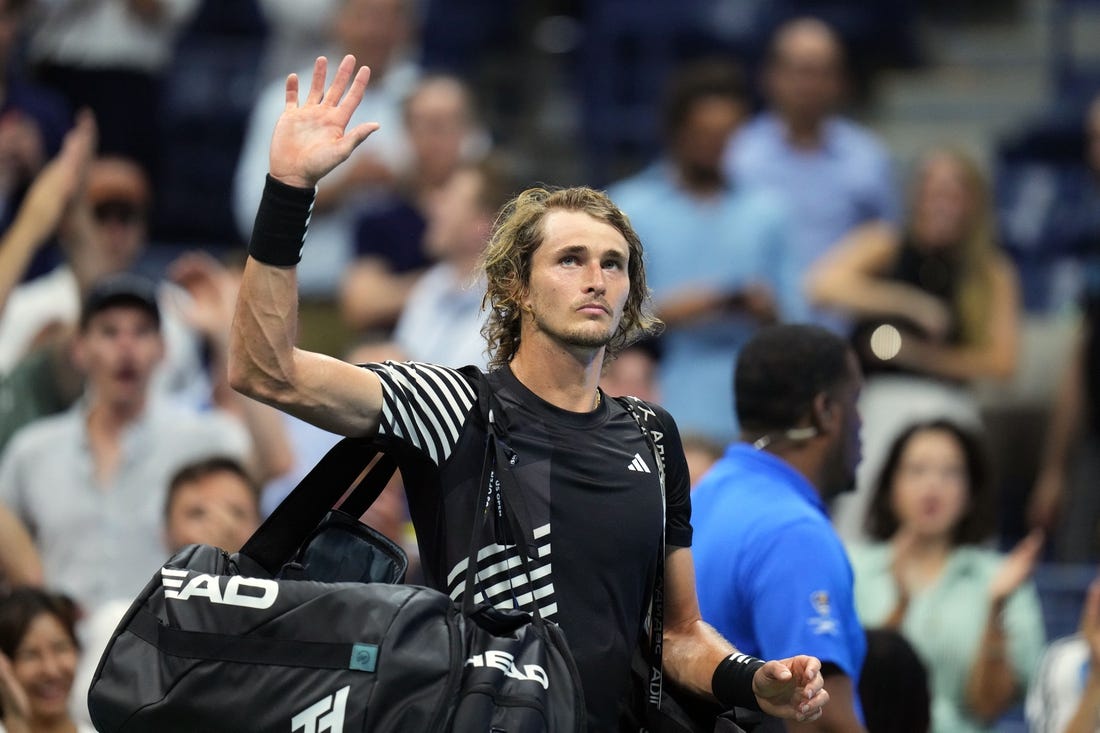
(613, 264)
(569, 260)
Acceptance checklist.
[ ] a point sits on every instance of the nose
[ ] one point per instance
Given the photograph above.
(596, 281)
(54, 666)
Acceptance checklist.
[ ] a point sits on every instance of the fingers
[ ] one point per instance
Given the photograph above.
(812, 708)
(340, 81)
(1030, 545)
(291, 92)
(317, 84)
(355, 136)
(358, 89)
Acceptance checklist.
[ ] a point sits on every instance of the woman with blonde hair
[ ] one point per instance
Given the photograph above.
(935, 307)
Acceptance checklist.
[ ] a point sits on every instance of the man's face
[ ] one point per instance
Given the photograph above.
(579, 282)
(804, 79)
(219, 509)
(438, 126)
(701, 139)
(847, 446)
(118, 350)
(457, 225)
(372, 30)
(118, 233)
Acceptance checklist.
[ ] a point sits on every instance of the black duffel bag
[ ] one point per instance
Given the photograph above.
(305, 630)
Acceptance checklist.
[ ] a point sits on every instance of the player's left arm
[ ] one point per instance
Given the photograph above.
(698, 658)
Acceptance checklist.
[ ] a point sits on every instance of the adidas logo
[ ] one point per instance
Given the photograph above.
(639, 465)
(325, 714)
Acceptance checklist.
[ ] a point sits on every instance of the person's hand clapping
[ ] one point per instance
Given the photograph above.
(1016, 567)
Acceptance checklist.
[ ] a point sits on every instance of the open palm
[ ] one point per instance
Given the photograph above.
(311, 138)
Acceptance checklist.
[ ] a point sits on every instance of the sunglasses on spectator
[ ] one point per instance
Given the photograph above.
(122, 212)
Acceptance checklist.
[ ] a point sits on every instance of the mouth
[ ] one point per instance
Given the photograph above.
(53, 693)
(594, 308)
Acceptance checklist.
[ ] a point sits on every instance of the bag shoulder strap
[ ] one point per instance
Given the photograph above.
(499, 492)
(278, 538)
(655, 618)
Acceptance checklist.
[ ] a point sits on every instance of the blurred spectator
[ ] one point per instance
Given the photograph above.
(894, 685)
(378, 33)
(761, 511)
(90, 483)
(44, 381)
(972, 614)
(33, 119)
(297, 33)
(38, 658)
(442, 319)
(110, 55)
(633, 372)
(1065, 695)
(212, 501)
(936, 307)
(1064, 500)
(443, 134)
(105, 233)
(718, 255)
(804, 148)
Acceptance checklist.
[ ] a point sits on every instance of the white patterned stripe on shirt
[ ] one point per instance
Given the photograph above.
(500, 573)
(425, 405)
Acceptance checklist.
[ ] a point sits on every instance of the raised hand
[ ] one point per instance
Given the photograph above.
(791, 688)
(13, 699)
(213, 290)
(57, 185)
(1016, 567)
(311, 138)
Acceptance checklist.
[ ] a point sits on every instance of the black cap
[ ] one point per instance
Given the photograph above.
(123, 288)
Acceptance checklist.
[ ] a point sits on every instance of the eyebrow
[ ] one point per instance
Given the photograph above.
(572, 249)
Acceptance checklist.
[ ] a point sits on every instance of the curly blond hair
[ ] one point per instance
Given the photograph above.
(506, 262)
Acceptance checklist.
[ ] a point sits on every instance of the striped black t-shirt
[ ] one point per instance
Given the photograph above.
(592, 496)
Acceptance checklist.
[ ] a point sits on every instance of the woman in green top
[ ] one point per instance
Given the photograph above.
(971, 613)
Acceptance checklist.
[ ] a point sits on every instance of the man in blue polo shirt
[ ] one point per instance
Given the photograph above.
(772, 575)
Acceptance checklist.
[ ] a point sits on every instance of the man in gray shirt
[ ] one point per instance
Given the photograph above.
(90, 483)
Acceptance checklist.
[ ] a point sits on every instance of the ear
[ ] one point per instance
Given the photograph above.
(824, 414)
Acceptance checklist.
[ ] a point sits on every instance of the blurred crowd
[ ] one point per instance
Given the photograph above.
(133, 150)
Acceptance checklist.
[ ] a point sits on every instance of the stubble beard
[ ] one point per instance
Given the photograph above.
(582, 337)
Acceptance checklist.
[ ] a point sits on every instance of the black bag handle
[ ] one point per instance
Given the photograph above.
(298, 514)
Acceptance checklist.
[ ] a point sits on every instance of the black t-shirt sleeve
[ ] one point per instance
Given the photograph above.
(677, 482)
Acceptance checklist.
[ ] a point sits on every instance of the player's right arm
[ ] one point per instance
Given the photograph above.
(310, 139)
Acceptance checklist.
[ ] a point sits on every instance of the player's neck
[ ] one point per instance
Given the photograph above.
(560, 376)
